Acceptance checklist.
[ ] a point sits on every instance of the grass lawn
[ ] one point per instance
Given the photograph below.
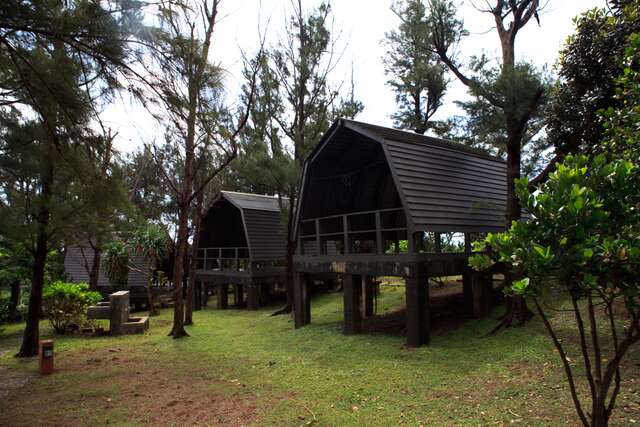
(247, 368)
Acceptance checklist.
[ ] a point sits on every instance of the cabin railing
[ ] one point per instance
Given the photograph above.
(229, 258)
(380, 232)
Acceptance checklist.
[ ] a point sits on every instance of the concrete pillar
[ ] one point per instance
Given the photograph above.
(119, 303)
(352, 292)
(301, 303)
(418, 316)
(222, 295)
(238, 292)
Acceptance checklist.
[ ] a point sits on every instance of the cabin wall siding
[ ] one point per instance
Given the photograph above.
(74, 267)
(265, 233)
(463, 193)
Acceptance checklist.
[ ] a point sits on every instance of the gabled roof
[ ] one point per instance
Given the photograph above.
(263, 224)
(443, 185)
(252, 201)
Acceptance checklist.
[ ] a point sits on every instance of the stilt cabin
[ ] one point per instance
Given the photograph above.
(383, 202)
(242, 244)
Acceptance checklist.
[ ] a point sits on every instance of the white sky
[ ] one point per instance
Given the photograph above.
(363, 24)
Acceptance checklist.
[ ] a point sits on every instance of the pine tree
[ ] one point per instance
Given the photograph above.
(295, 104)
(416, 74)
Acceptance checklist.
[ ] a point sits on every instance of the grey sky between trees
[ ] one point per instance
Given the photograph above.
(360, 25)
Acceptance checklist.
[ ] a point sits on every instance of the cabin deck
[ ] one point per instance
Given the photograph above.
(364, 245)
(219, 267)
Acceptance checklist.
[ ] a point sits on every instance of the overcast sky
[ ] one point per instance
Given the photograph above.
(362, 24)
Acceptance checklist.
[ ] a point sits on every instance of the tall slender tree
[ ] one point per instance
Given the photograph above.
(191, 104)
(296, 102)
(45, 120)
(510, 91)
(416, 74)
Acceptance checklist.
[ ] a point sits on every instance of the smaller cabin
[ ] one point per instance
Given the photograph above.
(78, 263)
(243, 244)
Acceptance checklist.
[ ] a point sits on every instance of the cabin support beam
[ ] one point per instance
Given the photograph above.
(418, 316)
(265, 293)
(301, 303)
(238, 293)
(253, 296)
(352, 290)
(368, 296)
(197, 296)
(222, 295)
(481, 288)
(467, 290)
(205, 294)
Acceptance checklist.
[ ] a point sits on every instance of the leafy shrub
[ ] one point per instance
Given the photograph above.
(116, 263)
(5, 302)
(65, 305)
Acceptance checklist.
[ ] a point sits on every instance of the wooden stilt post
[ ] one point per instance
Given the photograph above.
(301, 302)
(417, 295)
(197, 296)
(222, 295)
(238, 293)
(367, 296)
(265, 293)
(467, 291)
(352, 284)
(205, 294)
(253, 296)
(481, 295)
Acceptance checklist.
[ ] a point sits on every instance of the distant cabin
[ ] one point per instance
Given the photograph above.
(242, 243)
(377, 201)
(78, 261)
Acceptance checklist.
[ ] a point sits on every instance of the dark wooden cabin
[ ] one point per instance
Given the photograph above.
(242, 243)
(377, 201)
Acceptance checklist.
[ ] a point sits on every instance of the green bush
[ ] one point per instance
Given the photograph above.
(65, 305)
(5, 316)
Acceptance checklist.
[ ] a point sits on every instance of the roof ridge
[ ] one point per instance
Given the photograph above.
(444, 143)
(251, 194)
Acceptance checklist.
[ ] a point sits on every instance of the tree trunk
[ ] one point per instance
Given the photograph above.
(29, 347)
(31, 336)
(153, 311)
(193, 262)
(599, 417)
(291, 250)
(514, 211)
(178, 330)
(94, 274)
(14, 301)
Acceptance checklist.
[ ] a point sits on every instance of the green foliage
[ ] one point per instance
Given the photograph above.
(5, 308)
(295, 103)
(415, 72)
(588, 69)
(116, 262)
(584, 235)
(65, 305)
(584, 224)
(483, 125)
(149, 241)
